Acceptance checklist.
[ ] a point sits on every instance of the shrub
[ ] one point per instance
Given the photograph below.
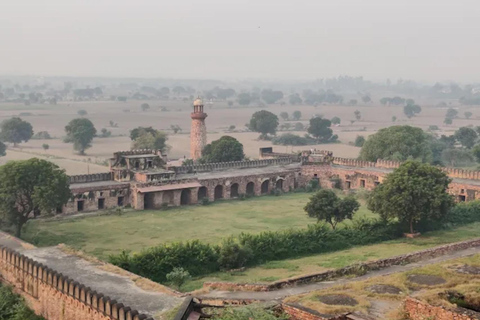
(465, 212)
(205, 201)
(233, 255)
(312, 185)
(178, 277)
(249, 313)
(289, 139)
(13, 307)
(359, 141)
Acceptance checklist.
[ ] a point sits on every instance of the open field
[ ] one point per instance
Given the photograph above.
(53, 118)
(109, 234)
(276, 270)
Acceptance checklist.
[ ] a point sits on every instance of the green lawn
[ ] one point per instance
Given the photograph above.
(135, 230)
(276, 270)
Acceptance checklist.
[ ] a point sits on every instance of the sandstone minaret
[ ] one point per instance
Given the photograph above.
(198, 133)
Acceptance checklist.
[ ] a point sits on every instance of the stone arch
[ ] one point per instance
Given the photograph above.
(279, 185)
(218, 194)
(250, 190)
(265, 187)
(202, 193)
(185, 197)
(234, 190)
(168, 197)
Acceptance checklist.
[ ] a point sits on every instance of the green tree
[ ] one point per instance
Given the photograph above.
(45, 146)
(476, 152)
(448, 121)
(357, 114)
(145, 106)
(451, 113)
(366, 99)
(148, 139)
(397, 143)
(80, 132)
(359, 141)
(385, 100)
(3, 149)
(15, 130)
(224, 149)
(82, 113)
(320, 129)
(296, 115)
(468, 114)
(394, 118)
(30, 188)
(14, 307)
(457, 157)
(326, 206)
(244, 99)
(264, 122)
(284, 116)
(411, 193)
(135, 133)
(466, 137)
(336, 120)
(295, 99)
(271, 96)
(411, 110)
(299, 126)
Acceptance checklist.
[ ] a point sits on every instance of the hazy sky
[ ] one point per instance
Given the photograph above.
(271, 39)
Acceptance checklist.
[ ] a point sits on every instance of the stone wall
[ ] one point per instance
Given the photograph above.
(352, 269)
(419, 310)
(92, 198)
(232, 165)
(84, 178)
(56, 297)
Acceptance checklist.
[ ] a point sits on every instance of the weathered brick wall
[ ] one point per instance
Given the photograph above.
(91, 196)
(56, 297)
(348, 270)
(419, 310)
(84, 178)
(298, 312)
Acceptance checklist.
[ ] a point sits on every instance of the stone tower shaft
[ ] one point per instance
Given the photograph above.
(198, 132)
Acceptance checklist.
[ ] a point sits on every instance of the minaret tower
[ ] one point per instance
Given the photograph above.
(198, 133)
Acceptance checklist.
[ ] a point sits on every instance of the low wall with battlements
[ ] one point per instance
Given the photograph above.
(56, 297)
(86, 178)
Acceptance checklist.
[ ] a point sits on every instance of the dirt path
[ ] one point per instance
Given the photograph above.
(290, 291)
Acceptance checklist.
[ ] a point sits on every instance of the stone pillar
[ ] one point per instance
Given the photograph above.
(198, 132)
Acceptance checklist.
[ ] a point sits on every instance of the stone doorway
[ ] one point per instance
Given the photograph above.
(279, 185)
(148, 200)
(202, 193)
(250, 189)
(218, 192)
(265, 186)
(234, 190)
(185, 197)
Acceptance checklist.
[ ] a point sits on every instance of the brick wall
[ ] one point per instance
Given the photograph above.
(298, 312)
(419, 310)
(56, 297)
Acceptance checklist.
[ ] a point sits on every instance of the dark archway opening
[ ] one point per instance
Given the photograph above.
(279, 185)
(265, 186)
(234, 190)
(167, 197)
(250, 189)
(185, 197)
(218, 192)
(148, 200)
(202, 193)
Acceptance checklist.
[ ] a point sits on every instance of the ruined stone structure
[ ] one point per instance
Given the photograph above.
(198, 133)
(141, 179)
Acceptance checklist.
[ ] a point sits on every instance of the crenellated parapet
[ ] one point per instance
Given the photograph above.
(95, 177)
(41, 286)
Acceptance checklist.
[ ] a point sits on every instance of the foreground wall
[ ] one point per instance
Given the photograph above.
(56, 297)
(419, 310)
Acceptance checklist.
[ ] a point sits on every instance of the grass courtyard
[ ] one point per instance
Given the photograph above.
(136, 230)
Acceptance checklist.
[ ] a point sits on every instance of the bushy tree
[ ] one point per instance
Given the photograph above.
(451, 113)
(271, 96)
(411, 193)
(80, 132)
(296, 115)
(178, 277)
(336, 120)
(476, 152)
(148, 138)
(326, 206)
(284, 116)
(15, 130)
(357, 114)
(290, 139)
(411, 110)
(320, 129)
(264, 122)
(468, 114)
(448, 121)
(244, 99)
(224, 149)
(145, 106)
(30, 188)
(45, 146)
(295, 99)
(299, 126)
(466, 136)
(397, 143)
(366, 99)
(14, 307)
(457, 157)
(359, 141)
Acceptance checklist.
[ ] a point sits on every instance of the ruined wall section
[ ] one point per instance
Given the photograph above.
(419, 310)
(85, 178)
(232, 165)
(56, 297)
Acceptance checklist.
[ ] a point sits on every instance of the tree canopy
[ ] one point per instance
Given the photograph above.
(326, 206)
(411, 110)
(3, 149)
(15, 130)
(466, 136)
(223, 150)
(296, 115)
(80, 132)
(29, 188)
(264, 122)
(397, 143)
(295, 99)
(149, 138)
(271, 96)
(320, 129)
(284, 115)
(336, 120)
(411, 193)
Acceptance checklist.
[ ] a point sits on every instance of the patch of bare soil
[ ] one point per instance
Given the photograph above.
(384, 289)
(338, 299)
(467, 269)
(426, 279)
